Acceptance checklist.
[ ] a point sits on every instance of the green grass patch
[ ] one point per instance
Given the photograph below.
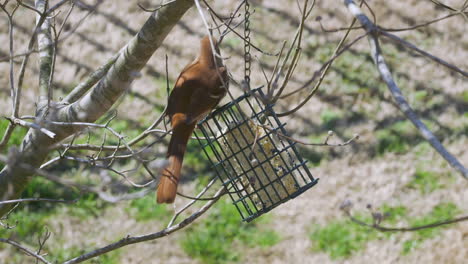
(423, 148)
(30, 218)
(363, 79)
(86, 206)
(222, 236)
(393, 214)
(342, 238)
(15, 139)
(425, 181)
(315, 155)
(144, 209)
(26, 223)
(312, 156)
(420, 96)
(195, 157)
(441, 212)
(464, 96)
(388, 141)
(395, 138)
(399, 136)
(330, 118)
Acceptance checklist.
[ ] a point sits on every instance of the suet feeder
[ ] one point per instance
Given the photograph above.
(252, 155)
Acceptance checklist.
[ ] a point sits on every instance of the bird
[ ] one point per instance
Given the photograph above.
(199, 88)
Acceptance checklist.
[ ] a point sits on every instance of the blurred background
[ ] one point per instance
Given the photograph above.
(390, 168)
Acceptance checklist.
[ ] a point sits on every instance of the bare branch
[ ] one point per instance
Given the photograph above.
(45, 45)
(24, 200)
(42, 240)
(21, 3)
(151, 129)
(151, 10)
(221, 19)
(92, 79)
(6, 136)
(323, 73)
(395, 90)
(378, 217)
(296, 56)
(424, 53)
(189, 204)
(420, 25)
(407, 229)
(324, 68)
(25, 250)
(27, 124)
(137, 239)
(324, 144)
(13, 91)
(85, 188)
(56, 6)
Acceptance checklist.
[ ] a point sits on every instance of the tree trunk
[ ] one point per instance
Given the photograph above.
(36, 146)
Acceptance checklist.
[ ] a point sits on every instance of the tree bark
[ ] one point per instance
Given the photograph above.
(36, 146)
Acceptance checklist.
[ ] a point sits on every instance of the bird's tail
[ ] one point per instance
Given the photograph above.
(167, 188)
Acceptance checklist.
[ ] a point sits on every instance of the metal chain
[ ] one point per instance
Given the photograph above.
(247, 56)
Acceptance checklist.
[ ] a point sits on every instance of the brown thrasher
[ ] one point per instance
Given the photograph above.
(198, 89)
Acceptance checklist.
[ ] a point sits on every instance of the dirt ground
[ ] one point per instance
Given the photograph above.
(354, 172)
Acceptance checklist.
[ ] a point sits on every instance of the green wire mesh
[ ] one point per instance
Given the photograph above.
(251, 154)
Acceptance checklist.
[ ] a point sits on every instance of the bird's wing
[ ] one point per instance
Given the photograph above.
(201, 103)
(181, 93)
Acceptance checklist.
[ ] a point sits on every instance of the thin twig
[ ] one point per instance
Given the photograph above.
(151, 10)
(324, 144)
(13, 91)
(296, 56)
(401, 101)
(92, 79)
(419, 25)
(25, 250)
(27, 124)
(42, 241)
(185, 207)
(424, 53)
(324, 66)
(25, 200)
(220, 18)
(322, 76)
(137, 239)
(99, 190)
(378, 227)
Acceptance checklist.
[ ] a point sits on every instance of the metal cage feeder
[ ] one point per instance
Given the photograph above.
(247, 147)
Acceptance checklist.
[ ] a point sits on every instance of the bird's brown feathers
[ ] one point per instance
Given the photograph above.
(198, 89)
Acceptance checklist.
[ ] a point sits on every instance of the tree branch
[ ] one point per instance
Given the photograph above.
(378, 227)
(92, 79)
(401, 101)
(132, 58)
(44, 44)
(378, 217)
(24, 200)
(24, 249)
(137, 239)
